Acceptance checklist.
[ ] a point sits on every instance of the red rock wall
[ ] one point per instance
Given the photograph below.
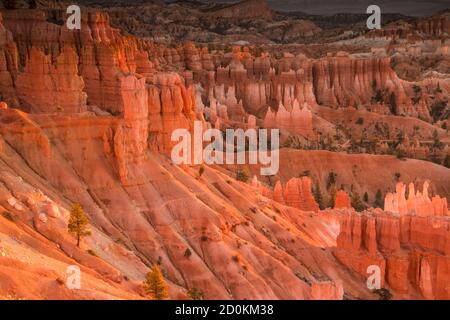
(417, 203)
(297, 193)
(412, 252)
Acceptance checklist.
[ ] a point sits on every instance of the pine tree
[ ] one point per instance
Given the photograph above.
(378, 199)
(357, 203)
(154, 284)
(331, 179)
(318, 195)
(333, 192)
(78, 223)
(366, 197)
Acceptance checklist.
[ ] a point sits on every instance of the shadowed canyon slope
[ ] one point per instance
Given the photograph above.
(86, 116)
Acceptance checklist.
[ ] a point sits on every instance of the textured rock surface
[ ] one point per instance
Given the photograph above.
(297, 121)
(46, 87)
(86, 116)
(342, 200)
(409, 250)
(296, 193)
(416, 203)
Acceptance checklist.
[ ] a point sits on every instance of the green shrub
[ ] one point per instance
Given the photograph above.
(242, 175)
(187, 253)
(195, 294)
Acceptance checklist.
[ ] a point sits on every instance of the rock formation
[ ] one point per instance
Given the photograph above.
(417, 203)
(297, 121)
(296, 193)
(408, 250)
(342, 200)
(46, 87)
(86, 116)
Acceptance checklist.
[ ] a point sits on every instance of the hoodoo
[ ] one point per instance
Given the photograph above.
(316, 120)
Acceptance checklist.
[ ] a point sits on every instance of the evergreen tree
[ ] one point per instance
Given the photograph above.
(378, 199)
(155, 285)
(333, 192)
(318, 195)
(331, 179)
(78, 223)
(357, 202)
(366, 197)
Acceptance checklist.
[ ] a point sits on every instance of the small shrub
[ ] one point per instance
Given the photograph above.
(242, 175)
(201, 170)
(360, 121)
(235, 258)
(195, 294)
(187, 253)
(305, 173)
(8, 215)
(400, 154)
(384, 294)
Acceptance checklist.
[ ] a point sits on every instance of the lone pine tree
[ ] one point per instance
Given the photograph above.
(78, 223)
(154, 284)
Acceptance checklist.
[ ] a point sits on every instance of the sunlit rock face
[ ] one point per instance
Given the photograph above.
(416, 203)
(410, 262)
(87, 117)
(297, 121)
(46, 87)
(342, 200)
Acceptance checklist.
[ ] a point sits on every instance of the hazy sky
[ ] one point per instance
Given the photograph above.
(407, 7)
